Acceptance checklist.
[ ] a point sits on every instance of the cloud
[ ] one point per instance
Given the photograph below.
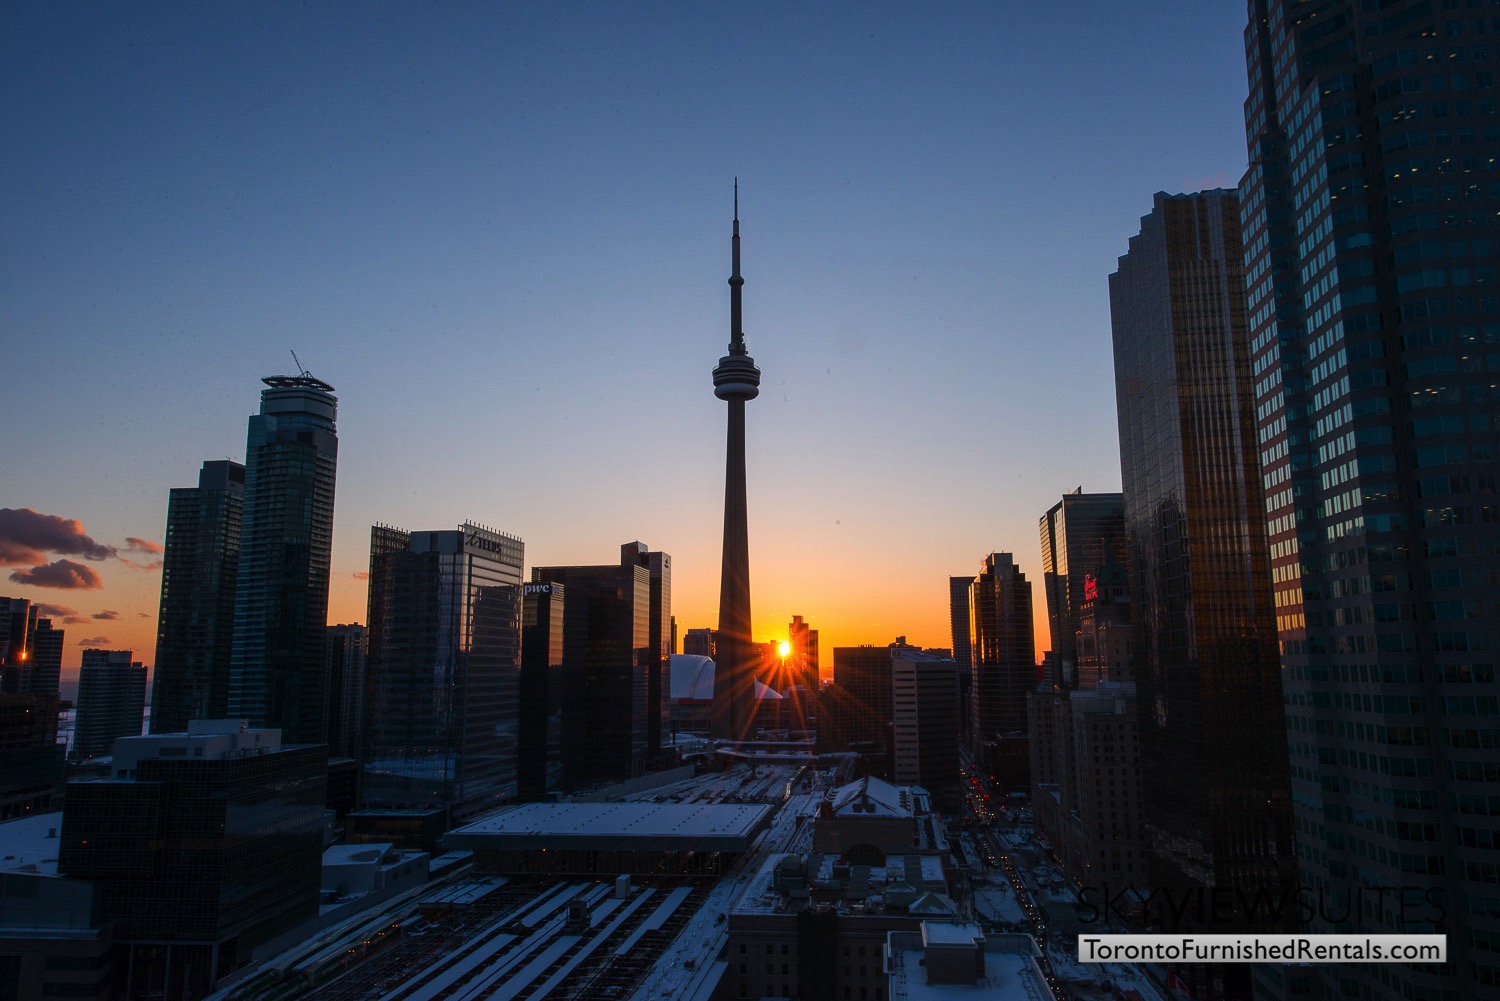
(64, 574)
(27, 536)
(134, 545)
(144, 615)
(132, 564)
(361, 575)
(106, 615)
(96, 641)
(61, 612)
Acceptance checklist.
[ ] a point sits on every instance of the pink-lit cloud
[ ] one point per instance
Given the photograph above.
(132, 564)
(361, 575)
(64, 614)
(94, 641)
(63, 574)
(106, 615)
(27, 536)
(134, 545)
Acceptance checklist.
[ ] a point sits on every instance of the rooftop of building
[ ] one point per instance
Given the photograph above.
(1009, 971)
(900, 884)
(693, 679)
(31, 844)
(872, 796)
(617, 827)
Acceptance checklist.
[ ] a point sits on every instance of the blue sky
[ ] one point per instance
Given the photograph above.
(501, 231)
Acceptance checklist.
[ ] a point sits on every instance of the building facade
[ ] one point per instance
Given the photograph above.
(1371, 230)
(1078, 534)
(111, 701)
(278, 655)
(348, 656)
(210, 841)
(539, 755)
(1207, 674)
(659, 639)
(442, 679)
(195, 620)
(31, 759)
(925, 714)
(1003, 671)
(606, 665)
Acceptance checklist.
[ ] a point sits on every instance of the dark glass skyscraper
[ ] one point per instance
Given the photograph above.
(1372, 226)
(606, 665)
(1079, 534)
(442, 674)
(1003, 668)
(1213, 753)
(278, 656)
(659, 639)
(195, 624)
(539, 754)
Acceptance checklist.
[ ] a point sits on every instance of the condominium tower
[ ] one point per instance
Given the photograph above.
(279, 651)
(195, 623)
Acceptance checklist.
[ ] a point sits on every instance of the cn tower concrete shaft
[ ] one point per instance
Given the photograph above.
(736, 381)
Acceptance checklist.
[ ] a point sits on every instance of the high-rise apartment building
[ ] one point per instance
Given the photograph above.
(278, 656)
(606, 662)
(959, 623)
(1213, 748)
(348, 655)
(442, 677)
(1078, 534)
(30, 649)
(699, 642)
(1371, 215)
(111, 701)
(195, 623)
(1003, 671)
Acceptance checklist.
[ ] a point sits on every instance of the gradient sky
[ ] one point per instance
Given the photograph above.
(502, 232)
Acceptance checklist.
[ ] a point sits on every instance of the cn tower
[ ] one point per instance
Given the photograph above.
(736, 381)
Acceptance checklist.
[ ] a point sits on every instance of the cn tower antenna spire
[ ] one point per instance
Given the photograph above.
(736, 329)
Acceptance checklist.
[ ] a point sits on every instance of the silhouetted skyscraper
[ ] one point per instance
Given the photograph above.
(802, 662)
(31, 759)
(1213, 749)
(348, 656)
(279, 652)
(539, 754)
(959, 622)
(606, 663)
(442, 675)
(736, 381)
(111, 701)
(1004, 668)
(1078, 534)
(1372, 226)
(195, 624)
(924, 716)
(659, 639)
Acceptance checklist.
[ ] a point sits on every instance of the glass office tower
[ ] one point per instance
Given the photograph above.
(442, 673)
(200, 562)
(1212, 749)
(1372, 224)
(278, 659)
(1079, 534)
